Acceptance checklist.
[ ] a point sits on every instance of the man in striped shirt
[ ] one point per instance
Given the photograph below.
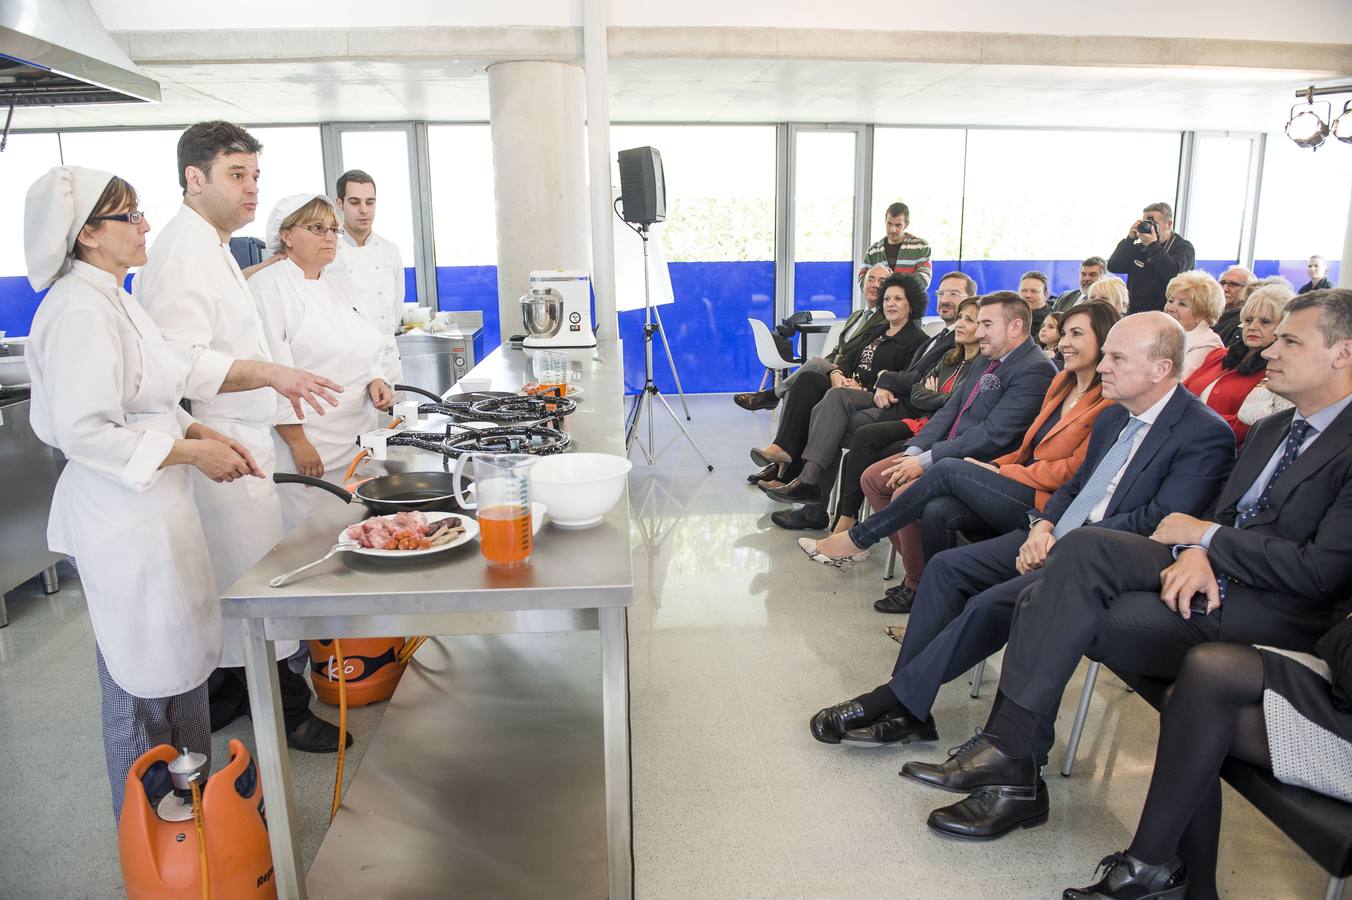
(903, 251)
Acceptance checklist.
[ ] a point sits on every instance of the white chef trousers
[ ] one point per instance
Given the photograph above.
(133, 725)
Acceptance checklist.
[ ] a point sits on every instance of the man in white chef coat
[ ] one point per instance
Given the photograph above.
(193, 289)
(374, 264)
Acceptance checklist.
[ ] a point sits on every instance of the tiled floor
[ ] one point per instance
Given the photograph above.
(735, 640)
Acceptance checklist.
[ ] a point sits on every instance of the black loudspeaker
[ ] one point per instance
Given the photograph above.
(643, 191)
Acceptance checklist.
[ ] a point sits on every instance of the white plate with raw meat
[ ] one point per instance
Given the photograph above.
(383, 535)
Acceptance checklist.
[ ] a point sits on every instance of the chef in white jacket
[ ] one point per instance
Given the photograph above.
(310, 317)
(374, 265)
(106, 391)
(193, 289)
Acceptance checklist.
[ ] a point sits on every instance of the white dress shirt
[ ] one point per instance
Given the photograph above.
(1148, 417)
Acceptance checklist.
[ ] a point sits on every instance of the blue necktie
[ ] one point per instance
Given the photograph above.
(1096, 488)
(1300, 428)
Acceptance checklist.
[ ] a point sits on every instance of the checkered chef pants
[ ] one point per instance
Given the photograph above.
(132, 725)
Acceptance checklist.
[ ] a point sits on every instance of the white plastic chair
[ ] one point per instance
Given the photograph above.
(767, 352)
(832, 339)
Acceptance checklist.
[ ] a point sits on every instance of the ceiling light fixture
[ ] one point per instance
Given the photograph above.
(1342, 126)
(1307, 128)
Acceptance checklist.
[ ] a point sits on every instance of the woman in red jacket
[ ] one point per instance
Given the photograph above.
(1227, 376)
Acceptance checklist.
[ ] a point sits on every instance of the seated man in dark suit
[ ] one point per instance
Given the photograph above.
(1158, 450)
(987, 415)
(1267, 566)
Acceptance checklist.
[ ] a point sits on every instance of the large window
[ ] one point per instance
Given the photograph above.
(719, 241)
(823, 219)
(1302, 209)
(1048, 199)
(292, 162)
(921, 167)
(26, 158)
(464, 220)
(384, 156)
(147, 159)
(1220, 188)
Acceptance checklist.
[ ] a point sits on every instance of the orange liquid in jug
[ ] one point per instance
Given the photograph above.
(504, 536)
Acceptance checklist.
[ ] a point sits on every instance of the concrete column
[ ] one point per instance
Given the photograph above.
(537, 114)
(595, 18)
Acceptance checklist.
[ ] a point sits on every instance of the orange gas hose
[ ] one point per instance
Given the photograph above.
(201, 837)
(342, 727)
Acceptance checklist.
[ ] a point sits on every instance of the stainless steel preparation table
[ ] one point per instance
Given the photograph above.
(577, 581)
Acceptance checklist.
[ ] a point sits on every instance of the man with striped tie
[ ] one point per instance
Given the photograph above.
(1158, 450)
(1267, 565)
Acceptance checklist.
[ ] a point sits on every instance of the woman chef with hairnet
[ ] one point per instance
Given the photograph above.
(106, 391)
(309, 313)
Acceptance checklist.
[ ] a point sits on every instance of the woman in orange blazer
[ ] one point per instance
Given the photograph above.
(978, 498)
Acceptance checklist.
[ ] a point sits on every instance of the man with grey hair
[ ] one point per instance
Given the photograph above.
(1233, 281)
(1274, 551)
(859, 329)
(1318, 269)
(1091, 270)
(1150, 255)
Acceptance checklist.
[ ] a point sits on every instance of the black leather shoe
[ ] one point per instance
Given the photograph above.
(314, 735)
(976, 764)
(897, 600)
(795, 492)
(1127, 878)
(993, 811)
(766, 474)
(754, 400)
(829, 725)
(811, 517)
(902, 729)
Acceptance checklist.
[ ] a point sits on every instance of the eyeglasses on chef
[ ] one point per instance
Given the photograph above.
(135, 217)
(320, 230)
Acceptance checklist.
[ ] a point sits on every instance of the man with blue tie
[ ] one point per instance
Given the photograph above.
(1266, 566)
(1157, 451)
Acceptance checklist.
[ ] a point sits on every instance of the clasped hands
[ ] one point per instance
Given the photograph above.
(838, 379)
(903, 470)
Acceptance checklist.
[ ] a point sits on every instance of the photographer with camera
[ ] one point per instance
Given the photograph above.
(1150, 255)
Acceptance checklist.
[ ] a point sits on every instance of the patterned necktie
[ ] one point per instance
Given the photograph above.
(971, 398)
(1300, 428)
(1096, 488)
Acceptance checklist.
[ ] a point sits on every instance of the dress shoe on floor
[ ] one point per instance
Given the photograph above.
(1127, 878)
(843, 563)
(902, 729)
(754, 400)
(811, 517)
(897, 600)
(993, 811)
(829, 725)
(314, 735)
(795, 491)
(976, 764)
(762, 457)
(768, 473)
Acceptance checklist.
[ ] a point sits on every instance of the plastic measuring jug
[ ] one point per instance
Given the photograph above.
(502, 497)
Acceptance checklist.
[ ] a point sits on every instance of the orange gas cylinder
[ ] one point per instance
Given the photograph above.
(160, 859)
(372, 669)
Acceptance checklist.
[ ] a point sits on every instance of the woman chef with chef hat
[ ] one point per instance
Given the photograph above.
(106, 392)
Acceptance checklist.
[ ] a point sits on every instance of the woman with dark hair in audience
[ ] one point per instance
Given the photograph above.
(968, 495)
(903, 301)
(880, 440)
(1281, 710)
(1228, 375)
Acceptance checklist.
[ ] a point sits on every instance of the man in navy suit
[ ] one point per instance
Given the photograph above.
(986, 416)
(1157, 451)
(1267, 564)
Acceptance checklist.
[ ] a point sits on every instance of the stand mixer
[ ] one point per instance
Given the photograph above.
(557, 310)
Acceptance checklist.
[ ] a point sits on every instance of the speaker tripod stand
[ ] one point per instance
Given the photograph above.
(643, 400)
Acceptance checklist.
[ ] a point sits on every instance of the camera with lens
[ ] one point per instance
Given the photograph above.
(1146, 227)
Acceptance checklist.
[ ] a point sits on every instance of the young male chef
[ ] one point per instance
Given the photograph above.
(194, 291)
(373, 263)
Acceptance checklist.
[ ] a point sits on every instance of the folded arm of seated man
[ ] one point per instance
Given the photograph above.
(1158, 451)
(1276, 544)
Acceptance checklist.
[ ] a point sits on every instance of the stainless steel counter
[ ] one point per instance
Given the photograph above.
(577, 581)
(28, 473)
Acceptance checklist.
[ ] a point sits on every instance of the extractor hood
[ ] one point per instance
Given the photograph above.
(57, 53)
